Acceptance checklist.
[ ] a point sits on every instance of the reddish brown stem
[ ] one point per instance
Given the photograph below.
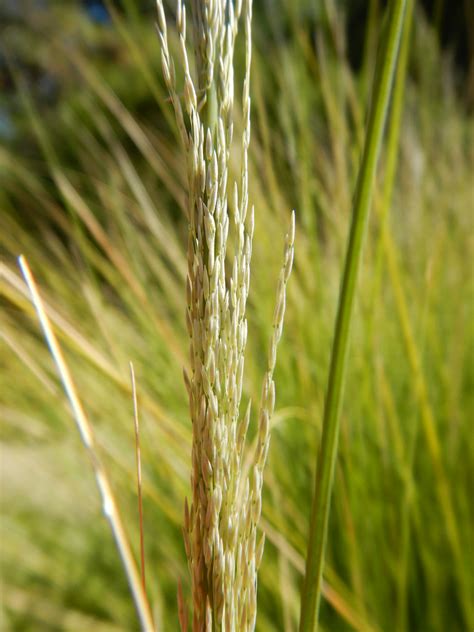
(139, 475)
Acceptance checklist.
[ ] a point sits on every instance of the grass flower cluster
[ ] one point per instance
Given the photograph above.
(220, 526)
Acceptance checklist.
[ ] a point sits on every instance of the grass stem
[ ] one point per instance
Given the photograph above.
(139, 474)
(383, 81)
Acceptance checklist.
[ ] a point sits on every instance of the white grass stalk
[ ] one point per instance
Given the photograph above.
(109, 506)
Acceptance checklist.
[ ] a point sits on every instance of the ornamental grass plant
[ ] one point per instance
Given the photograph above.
(102, 191)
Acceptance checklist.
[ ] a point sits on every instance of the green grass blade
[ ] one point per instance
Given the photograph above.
(388, 251)
(362, 202)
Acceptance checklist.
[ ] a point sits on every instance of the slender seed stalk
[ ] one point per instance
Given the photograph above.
(139, 475)
(311, 593)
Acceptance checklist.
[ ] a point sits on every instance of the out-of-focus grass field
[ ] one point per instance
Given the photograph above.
(92, 192)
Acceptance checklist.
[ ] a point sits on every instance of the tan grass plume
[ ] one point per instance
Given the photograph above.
(220, 525)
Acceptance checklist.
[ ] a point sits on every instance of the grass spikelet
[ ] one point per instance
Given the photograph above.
(220, 529)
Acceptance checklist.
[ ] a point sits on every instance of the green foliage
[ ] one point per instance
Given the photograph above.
(92, 193)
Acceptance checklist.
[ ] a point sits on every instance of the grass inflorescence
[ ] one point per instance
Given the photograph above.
(94, 190)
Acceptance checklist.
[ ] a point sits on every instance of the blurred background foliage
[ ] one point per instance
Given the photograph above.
(92, 192)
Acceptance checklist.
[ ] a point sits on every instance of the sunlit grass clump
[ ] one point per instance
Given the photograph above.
(98, 206)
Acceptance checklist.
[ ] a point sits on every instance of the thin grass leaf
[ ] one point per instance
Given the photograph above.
(109, 504)
(311, 592)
